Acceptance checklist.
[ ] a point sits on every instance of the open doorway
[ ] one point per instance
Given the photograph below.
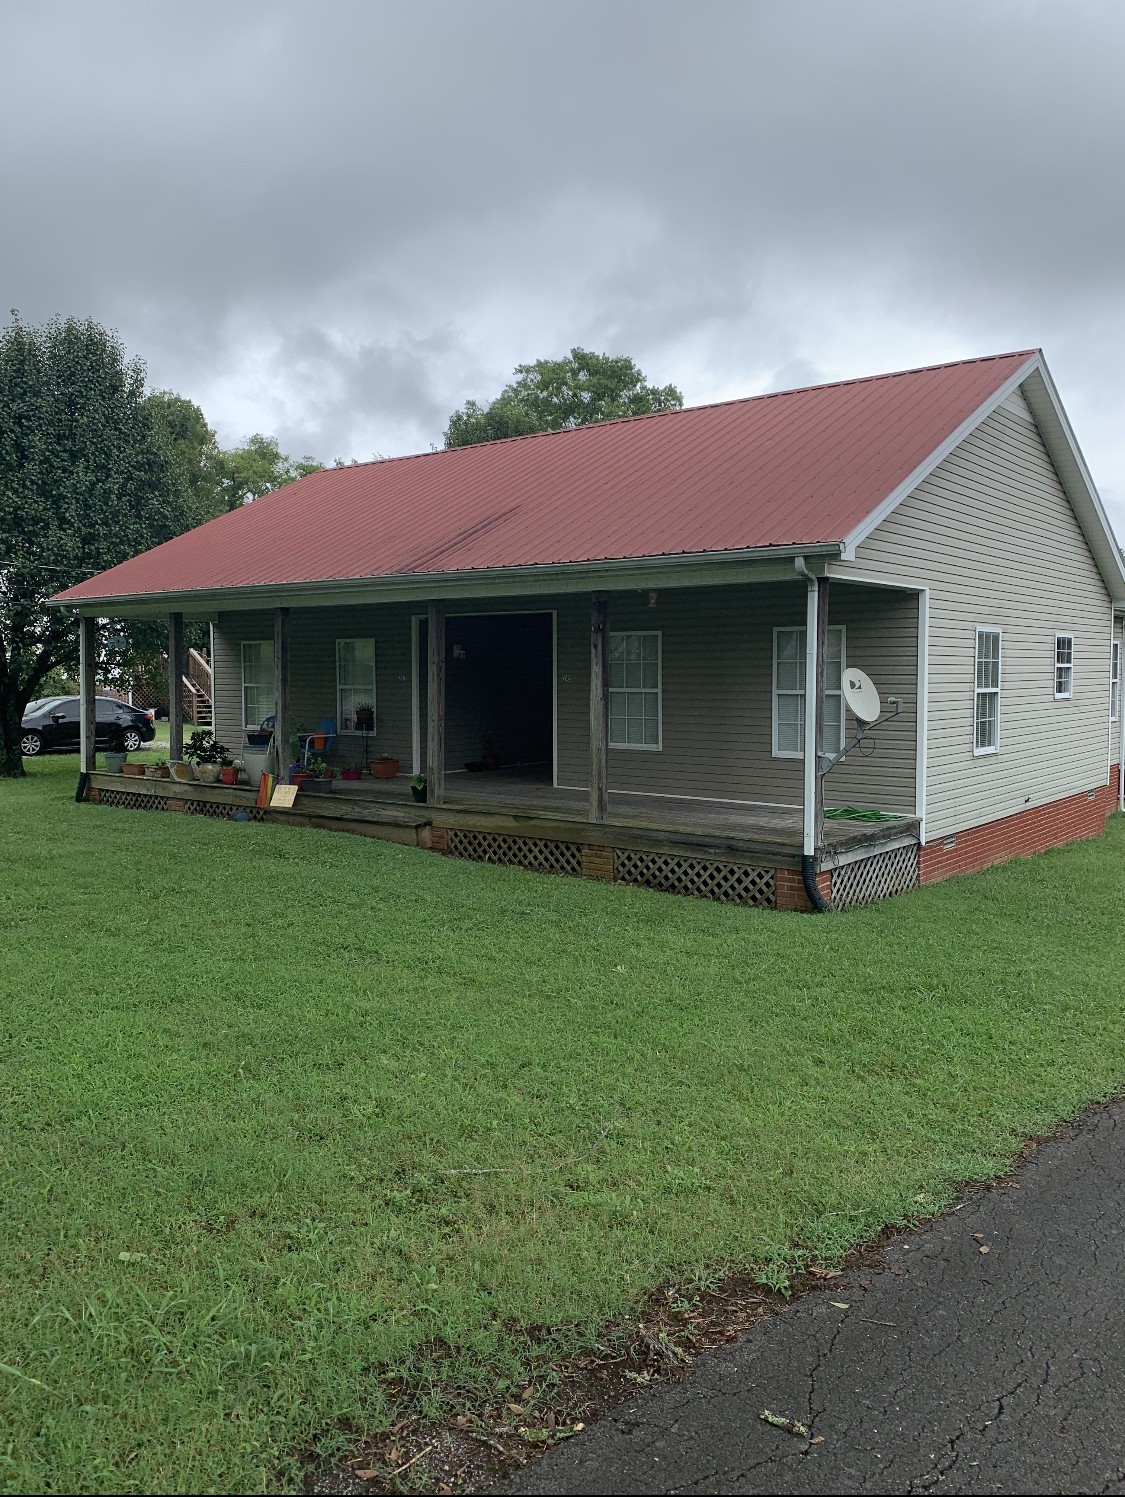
(499, 694)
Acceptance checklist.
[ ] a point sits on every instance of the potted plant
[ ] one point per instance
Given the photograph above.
(134, 769)
(207, 754)
(229, 772)
(353, 772)
(115, 760)
(383, 768)
(182, 773)
(418, 787)
(320, 776)
(299, 777)
(365, 717)
(160, 770)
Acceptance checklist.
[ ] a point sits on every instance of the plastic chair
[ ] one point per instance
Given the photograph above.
(326, 729)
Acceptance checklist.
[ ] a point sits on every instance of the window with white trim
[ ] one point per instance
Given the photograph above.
(986, 701)
(634, 689)
(1114, 680)
(355, 685)
(259, 696)
(789, 692)
(1064, 666)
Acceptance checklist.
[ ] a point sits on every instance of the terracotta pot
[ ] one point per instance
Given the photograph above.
(159, 772)
(299, 779)
(228, 774)
(133, 769)
(319, 742)
(383, 769)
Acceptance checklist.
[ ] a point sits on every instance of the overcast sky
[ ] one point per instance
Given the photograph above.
(337, 221)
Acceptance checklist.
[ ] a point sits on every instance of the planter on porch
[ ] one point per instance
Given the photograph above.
(320, 785)
(182, 773)
(228, 774)
(115, 762)
(300, 779)
(351, 774)
(133, 769)
(208, 774)
(384, 767)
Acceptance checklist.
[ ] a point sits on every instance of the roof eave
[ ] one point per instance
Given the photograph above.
(683, 569)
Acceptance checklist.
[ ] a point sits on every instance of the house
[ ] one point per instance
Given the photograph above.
(630, 620)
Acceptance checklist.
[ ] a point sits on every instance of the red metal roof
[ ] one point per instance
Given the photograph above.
(800, 467)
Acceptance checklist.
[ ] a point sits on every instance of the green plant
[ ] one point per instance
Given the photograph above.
(204, 748)
(418, 782)
(318, 768)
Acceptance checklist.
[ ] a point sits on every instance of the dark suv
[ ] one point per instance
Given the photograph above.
(55, 723)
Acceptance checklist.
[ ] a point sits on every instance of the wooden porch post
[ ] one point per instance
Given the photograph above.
(281, 689)
(435, 705)
(176, 667)
(821, 672)
(87, 688)
(599, 707)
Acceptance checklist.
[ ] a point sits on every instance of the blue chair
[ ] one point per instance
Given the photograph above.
(325, 728)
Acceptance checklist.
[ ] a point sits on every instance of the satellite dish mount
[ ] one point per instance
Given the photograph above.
(862, 701)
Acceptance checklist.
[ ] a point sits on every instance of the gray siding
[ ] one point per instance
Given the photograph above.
(717, 683)
(992, 535)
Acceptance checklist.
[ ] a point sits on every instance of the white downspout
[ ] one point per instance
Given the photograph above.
(810, 748)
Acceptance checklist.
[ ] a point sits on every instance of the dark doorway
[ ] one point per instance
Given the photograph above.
(499, 692)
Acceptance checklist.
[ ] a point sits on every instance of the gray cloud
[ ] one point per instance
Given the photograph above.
(336, 222)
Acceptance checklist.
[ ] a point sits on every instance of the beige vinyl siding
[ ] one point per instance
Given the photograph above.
(717, 684)
(992, 535)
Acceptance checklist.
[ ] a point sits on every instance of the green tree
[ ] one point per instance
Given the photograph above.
(87, 478)
(259, 467)
(196, 451)
(554, 394)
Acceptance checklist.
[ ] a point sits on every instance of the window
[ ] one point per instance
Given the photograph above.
(789, 692)
(1114, 680)
(986, 709)
(355, 684)
(1064, 666)
(258, 693)
(634, 690)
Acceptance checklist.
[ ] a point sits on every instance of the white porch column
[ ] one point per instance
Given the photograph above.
(435, 704)
(809, 830)
(87, 689)
(599, 707)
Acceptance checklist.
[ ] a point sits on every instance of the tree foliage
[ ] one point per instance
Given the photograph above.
(555, 394)
(88, 478)
(246, 473)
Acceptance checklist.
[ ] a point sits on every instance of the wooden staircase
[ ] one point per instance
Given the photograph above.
(198, 705)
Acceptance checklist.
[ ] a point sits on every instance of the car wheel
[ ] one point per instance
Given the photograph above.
(30, 745)
(132, 740)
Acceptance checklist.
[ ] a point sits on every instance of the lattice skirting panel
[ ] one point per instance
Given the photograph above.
(870, 879)
(532, 853)
(219, 810)
(732, 883)
(130, 800)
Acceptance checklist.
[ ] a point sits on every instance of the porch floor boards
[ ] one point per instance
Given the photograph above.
(515, 794)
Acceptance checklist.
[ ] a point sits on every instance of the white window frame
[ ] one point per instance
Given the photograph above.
(648, 748)
(979, 691)
(841, 629)
(256, 643)
(357, 639)
(1064, 665)
(1114, 680)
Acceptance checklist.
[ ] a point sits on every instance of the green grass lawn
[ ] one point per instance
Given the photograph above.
(242, 1065)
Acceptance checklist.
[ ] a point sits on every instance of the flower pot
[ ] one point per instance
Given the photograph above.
(159, 772)
(182, 773)
(256, 739)
(383, 769)
(208, 774)
(319, 742)
(351, 774)
(299, 779)
(228, 774)
(319, 786)
(419, 793)
(364, 720)
(137, 770)
(115, 763)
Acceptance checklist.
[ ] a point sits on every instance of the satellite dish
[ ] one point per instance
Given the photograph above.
(861, 696)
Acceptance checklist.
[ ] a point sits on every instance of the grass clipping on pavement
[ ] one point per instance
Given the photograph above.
(294, 1121)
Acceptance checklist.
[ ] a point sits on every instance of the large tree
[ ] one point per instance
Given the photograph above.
(246, 473)
(553, 394)
(87, 478)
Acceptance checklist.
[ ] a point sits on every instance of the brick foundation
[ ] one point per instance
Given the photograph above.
(597, 862)
(439, 839)
(1071, 819)
(791, 889)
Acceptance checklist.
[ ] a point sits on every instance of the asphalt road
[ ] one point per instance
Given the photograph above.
(954, 1370)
